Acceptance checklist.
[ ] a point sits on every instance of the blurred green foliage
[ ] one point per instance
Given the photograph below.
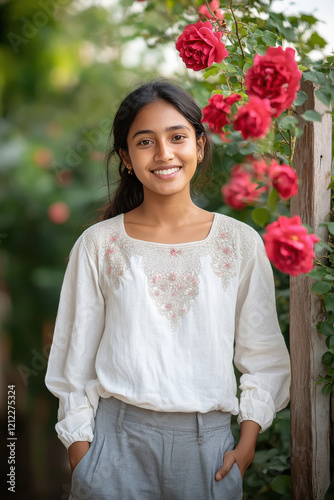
(66, 65)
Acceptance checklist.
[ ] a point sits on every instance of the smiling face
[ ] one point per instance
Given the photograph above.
(162, 149)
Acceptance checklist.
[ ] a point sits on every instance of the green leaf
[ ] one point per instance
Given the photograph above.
(261, 49)
(317, 273)
(227, 67)
(316, 41)
(312, 116)
(211, 72)
(269, 40)
(300, 99)
(315, 76)
(324, 97)
(298, 132)
(325, 328)
(272, 200)
(330, 340)
(321, 245)
(287, 120)
(308, 19)
(327, 359)
(329, 225)
(247, 66)
(329, 302)
(260, 216)
(321, 287)
(327, 389)
(281, 484)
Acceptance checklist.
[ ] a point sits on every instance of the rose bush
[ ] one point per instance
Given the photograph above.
(274, 76)
(199, 46)
(272, 82)
(284, 179)
(289, 246)
(254, 118)
(217, 113)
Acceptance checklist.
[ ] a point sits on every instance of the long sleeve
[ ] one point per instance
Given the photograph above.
(260, 351)
(78, 331)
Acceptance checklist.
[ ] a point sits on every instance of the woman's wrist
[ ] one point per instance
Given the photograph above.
(76, 452)
(245, 449)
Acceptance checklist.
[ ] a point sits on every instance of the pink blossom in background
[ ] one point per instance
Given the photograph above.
(58, 212)
(241, 190)
(43, 157)
(214, 6)
(258, 168)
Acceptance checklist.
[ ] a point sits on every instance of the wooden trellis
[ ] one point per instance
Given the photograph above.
(310, 410)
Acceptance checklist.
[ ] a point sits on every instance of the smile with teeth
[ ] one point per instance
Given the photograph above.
(167, 171)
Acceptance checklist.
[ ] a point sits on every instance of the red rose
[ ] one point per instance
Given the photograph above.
(214, 6)
(254, 118)
(288, 245)
(200, 47)
(284, 179)
(275, 76)
(241, 190)
(216, 113)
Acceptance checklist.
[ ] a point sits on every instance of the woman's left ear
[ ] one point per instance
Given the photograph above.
(200, 147)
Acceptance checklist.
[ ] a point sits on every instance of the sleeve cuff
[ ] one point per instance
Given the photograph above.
(78, 425)
(257, 405)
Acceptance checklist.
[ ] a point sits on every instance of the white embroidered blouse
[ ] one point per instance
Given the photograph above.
(158, 326)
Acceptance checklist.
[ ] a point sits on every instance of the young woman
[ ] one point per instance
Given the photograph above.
(158, 300)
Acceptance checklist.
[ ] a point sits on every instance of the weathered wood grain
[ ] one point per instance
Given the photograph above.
(310, 410)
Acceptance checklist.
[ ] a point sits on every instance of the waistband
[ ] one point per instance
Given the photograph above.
(192, 421)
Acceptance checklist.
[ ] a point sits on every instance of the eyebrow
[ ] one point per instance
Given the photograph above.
(169, 129)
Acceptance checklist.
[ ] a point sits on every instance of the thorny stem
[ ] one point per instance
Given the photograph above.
(285, 139)
(293, 141)
(228, 84)
(237, 30)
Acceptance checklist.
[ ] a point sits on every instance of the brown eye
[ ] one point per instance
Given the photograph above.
(179, 137)
(144, 142)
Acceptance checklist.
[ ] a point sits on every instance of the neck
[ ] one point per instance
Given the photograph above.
(173, 210)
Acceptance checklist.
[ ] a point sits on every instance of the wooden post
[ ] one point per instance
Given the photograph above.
(310, 410)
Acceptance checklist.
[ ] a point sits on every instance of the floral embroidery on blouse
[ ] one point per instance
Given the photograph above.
(117, 257)
(173, 270)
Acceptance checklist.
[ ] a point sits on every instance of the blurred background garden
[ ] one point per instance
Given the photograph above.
(65, 66)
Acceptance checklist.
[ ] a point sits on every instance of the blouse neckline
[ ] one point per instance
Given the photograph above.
(188, 243)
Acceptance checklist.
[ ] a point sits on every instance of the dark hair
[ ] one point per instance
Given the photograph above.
(129, 193)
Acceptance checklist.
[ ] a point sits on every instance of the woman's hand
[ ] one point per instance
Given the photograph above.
(243, 453)
(76, 452)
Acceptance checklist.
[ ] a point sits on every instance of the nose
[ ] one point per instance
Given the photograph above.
(163, 152)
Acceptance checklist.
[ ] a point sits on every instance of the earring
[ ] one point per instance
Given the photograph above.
(130, 172)
(199, 159)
